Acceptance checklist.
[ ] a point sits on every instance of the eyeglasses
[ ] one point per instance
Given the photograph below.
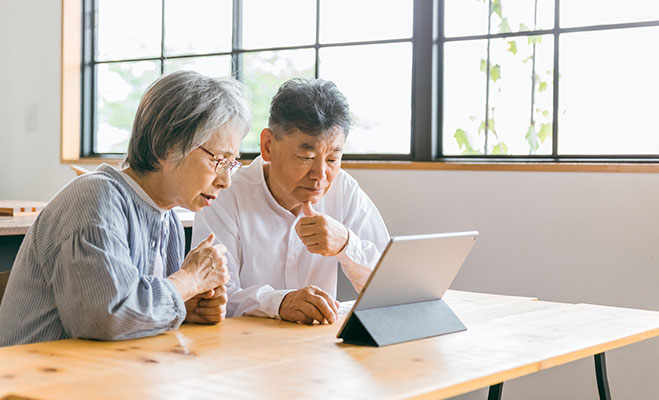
(223, 165)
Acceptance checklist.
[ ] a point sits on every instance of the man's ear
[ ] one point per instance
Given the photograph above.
(267, 137)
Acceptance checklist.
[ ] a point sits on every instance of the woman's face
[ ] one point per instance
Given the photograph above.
(192, 183)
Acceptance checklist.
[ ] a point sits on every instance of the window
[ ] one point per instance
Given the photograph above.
(360, 45)
(549, 79)
(500, 80)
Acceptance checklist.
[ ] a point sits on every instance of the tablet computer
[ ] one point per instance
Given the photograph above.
(413, 269)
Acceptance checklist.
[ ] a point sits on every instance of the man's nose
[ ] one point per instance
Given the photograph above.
(318, 170)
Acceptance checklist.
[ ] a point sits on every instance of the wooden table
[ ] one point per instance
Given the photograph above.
(245, 357)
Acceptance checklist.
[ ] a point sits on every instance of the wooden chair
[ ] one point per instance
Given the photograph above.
(79, 170)
(4, 278)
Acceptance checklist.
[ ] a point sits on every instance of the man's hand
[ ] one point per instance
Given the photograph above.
(321, 233)
(207, 308)
(309, 304)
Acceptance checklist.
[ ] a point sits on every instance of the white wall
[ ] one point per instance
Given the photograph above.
(573, 237)
(30, 78)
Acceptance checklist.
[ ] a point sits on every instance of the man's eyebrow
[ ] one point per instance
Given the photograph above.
(338, 148)
(307, 146)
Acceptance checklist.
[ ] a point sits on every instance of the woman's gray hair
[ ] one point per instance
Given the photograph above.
(179, 112)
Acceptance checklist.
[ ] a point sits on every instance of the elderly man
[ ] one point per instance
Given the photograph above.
(294, 214)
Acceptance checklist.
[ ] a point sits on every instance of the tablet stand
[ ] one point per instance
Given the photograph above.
(383, 326)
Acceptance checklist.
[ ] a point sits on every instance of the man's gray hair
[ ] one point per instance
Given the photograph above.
(314, 106)
(180, 112)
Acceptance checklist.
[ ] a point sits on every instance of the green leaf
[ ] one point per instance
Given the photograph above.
(545, 132)
(527, 59)
(500, 149)
(504, 26)
(523, 27)
(512, 46)
(542, 87)
(545, 113)
(495, 73)
(462, 139)
(483, 65)
(490, 124)
(496, 8)
(532, 138)
(535, 39)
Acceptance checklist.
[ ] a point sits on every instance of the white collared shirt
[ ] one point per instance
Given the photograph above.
(266, 258)
(158, 265)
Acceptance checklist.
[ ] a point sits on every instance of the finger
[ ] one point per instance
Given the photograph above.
(207, 295)
(207, 242)
(323, 308)
(217, 252)
(315, 248)
(310, 221)
(216, 302)
(220, 248)
(307, 209)
(328, 298)
(307, 230)
(205, 311)
(198, 319)
(310, 240)
(311, 311)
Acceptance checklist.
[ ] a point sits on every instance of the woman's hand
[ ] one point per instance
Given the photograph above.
(203, 269)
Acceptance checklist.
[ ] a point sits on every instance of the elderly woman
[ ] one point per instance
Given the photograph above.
(104, 260)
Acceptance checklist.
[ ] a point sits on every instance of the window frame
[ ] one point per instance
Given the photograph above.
(89, 63)
(556, 32)
(426, 129)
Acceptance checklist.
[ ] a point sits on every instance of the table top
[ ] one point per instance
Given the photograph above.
(19, 225)
(248, 357)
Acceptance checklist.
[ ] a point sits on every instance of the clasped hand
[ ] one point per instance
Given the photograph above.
(321, 233)
(200, 282)
(309, 304)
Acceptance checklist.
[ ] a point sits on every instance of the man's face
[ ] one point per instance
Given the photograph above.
(302, 167)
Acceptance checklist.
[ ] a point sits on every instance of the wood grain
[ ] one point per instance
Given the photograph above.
(246, 357)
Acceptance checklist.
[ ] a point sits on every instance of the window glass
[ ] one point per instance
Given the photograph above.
(379, 92)
(268, 23)
(263, 73)
(597, 12)
(217, 67)
(119, 89)
(134, 34)
(198, 26)
(363, 20)
(608, 92)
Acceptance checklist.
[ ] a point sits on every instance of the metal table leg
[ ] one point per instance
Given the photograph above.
(602, 380)
(495, 392)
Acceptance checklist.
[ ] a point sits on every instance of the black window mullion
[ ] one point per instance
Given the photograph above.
(162, 37)
(88, 77)
(439, 40)
(554, 124)
(317, 44)
(423, 140)
(237, 40)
